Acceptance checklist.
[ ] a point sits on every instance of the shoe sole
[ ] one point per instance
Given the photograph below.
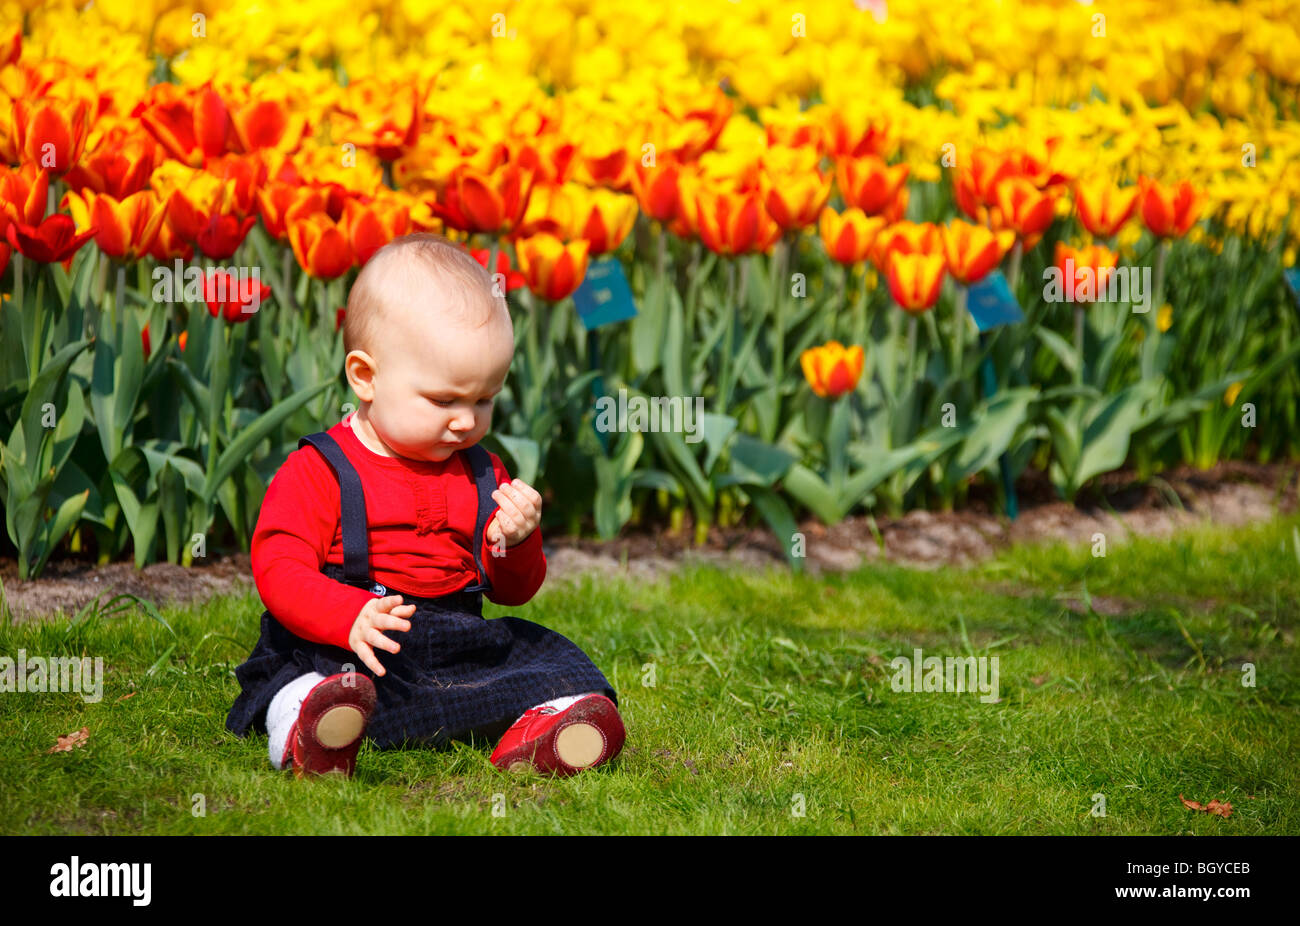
(592, 733)
(336, 716)
(580, 745)
(340, 726)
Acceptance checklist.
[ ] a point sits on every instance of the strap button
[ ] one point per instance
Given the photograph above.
(378, 589)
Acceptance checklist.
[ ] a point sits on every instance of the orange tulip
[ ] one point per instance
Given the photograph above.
(320, 245)
(278, 201)
(854, 139)
(905, 238)
(975, 186)
(832, 370)
(848, 236)
(169, 245)
(732, 223)
(371, 226)
(1025, 209)
(794, 130)
(692, 125)
(263, 124)
(794, 190)
(1169, 211)
(478, 202)
(119, 166)
(1099, 263)
(1103, 208)
(549, 157)
(23, 195)
(973, 251)
(185, 335)
(915, 279)
(868, 183)
(381, 116)
(11, 47)
(125, 229)
(191, 126)
(51, 133)
(610, 168)
(552, 268)
(608, 219)
(656, 188)
(551, 210)
(245, 174)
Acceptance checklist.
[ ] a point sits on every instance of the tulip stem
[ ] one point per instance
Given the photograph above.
(1162, 252)
(839, 301)
(1013, 271)
(779, 264)
(959, 334)
(119, 293)
(860, 323)
(724, 383)
(1078, 344)
(286, 274)
(18, 280)
(692, 288)
(911, 349)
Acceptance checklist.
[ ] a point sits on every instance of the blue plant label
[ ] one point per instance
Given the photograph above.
(604, 296)
(1292, 275)
(991, 304)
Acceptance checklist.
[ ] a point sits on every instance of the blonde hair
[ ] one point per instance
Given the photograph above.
(405, 266)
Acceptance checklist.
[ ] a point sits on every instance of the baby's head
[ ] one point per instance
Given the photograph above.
(428, 346)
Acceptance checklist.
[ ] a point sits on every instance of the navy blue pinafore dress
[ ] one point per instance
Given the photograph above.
(457, 675)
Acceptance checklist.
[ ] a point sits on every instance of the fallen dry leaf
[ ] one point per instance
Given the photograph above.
(125, 696)
(1215, 808)
(1039, 679)
(72, 740)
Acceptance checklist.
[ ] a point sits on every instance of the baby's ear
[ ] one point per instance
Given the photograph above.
(360, 370)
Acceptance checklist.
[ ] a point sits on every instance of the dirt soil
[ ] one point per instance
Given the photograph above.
(1231, 493)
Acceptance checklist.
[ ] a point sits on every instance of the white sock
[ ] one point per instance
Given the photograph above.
(559, 703)
(283, 712)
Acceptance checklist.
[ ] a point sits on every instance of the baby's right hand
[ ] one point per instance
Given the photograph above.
(379, 614)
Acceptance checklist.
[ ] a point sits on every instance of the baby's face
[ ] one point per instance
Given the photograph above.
(435, 381)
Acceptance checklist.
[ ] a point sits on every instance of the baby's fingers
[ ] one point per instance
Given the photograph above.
(393, 620)
(376, 639)
(368, 657)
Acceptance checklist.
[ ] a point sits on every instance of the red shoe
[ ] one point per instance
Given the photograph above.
(327, 734)
(563, 742)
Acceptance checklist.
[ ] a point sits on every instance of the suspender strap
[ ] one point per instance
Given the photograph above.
(480, 466)
(356, 552)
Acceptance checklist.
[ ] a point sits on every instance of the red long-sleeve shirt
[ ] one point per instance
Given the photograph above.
(421, 516)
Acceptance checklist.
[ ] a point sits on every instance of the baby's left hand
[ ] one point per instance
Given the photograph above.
(518, 516)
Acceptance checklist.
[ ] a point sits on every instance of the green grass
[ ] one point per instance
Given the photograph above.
(767, 686)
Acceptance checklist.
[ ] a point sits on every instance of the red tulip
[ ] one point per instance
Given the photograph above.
(1025, 209)
(514, 279)
(231, 298)
(1169, 211)
(54, 240)
(191, 126)
(51, 133)
(23, 195)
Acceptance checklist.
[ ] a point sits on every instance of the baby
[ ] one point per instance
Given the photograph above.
(378, 538)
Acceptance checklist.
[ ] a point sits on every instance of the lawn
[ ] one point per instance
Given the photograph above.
(756, 703)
